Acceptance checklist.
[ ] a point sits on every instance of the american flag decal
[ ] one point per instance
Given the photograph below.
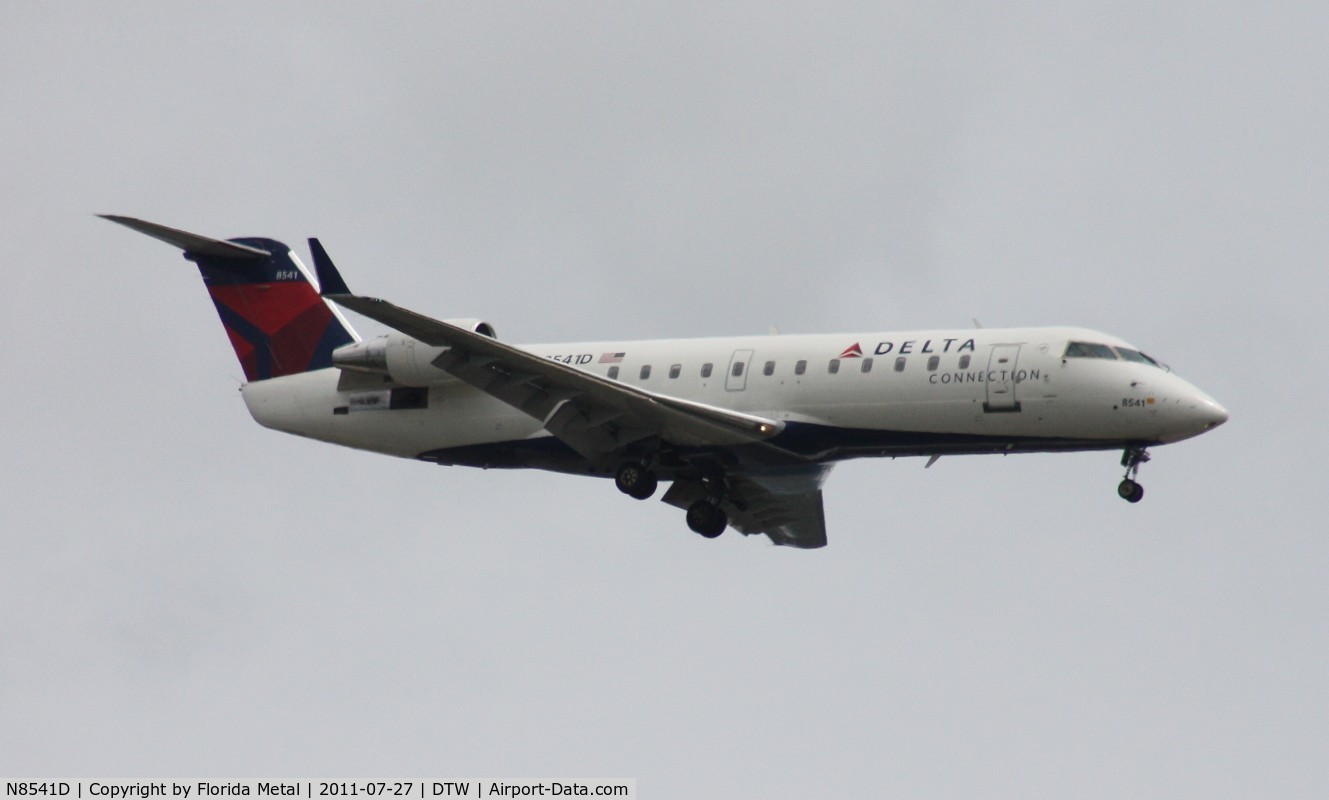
(611, 358)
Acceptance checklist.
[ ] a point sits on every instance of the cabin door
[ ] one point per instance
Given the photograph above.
(1000, 379)
(736, 379)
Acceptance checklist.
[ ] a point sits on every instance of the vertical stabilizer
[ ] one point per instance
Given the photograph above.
(276, 320)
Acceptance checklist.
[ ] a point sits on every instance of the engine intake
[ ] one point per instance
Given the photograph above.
(475, 326)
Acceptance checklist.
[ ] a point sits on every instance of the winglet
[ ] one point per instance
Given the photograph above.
(329, 279)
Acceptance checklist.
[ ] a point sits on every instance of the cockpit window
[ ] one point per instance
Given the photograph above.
(1089, 350)
(1137, 356)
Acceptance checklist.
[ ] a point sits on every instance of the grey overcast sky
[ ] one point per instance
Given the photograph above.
(184, 594)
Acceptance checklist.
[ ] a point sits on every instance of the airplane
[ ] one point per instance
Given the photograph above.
(744, 429)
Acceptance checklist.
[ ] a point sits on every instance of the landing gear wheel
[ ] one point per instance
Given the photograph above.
(708, 519)
(1130, 491)
(635, 479)
(1131, 459)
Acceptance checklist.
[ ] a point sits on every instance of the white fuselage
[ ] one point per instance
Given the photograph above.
(840, 396)
(744, 429)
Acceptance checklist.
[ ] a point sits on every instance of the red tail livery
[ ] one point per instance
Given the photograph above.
(274, 317)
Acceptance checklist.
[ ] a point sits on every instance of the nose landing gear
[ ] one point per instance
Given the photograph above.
(1131, 459)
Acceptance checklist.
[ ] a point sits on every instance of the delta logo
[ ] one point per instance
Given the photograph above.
(853, 351)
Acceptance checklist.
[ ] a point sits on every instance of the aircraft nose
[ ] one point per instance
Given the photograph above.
(1210, 414)
(1190, 412)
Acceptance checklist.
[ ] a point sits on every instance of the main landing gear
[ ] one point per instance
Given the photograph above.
(707, 518)
(705, 515)
(1131, 459)
(636, 479)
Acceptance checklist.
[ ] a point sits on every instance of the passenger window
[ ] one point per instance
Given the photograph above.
(706, 370)
(800, 367)
(933, 362)
(613, 373)
(899, 364)
(646, 372)
(964, 362)
(867, 365)
(675, 371)
(769, 369)
(737, 369)
(834, 366)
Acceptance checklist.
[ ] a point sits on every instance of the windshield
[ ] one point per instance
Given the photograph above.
(1089, 350)
(1135, 355)
(1096, 350)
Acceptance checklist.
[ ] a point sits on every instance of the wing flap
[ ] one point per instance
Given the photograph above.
(786, 507)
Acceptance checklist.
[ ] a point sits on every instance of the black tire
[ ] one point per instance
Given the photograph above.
(1130, 491)
(697, 515)
(634, 479)
(707, 519)
(646, 488)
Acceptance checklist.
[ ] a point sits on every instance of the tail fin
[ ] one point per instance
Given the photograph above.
(276, 320)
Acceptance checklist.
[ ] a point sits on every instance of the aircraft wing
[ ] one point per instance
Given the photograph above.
(786, 507)
(594, 415)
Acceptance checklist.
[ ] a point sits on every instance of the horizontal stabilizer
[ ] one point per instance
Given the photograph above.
(189, 242)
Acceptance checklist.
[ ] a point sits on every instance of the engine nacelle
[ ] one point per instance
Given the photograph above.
(475, 326)
(404, 359)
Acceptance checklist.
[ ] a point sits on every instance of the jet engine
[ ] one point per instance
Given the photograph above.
(407, 361)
